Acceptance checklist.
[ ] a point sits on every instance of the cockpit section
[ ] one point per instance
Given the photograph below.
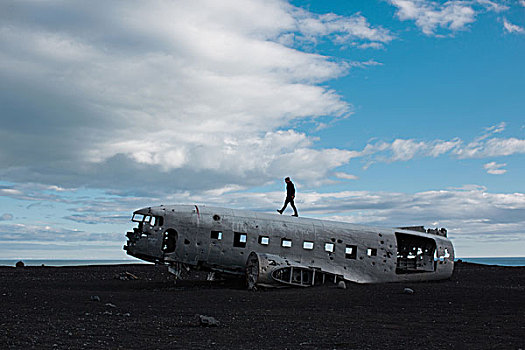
(146, 240)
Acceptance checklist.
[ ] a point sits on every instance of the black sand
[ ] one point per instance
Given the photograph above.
(480, 307)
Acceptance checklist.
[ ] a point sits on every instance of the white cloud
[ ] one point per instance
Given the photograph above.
(344, 29)
(34, 192)
(98, 219)
(60, 189)
(345, 176)
(429, 15)
(403, 150)
(180, 90)
(9, 192)
(451, 15)
(16, 232)
(365, 63)
(439, 147)
(494, 129)
(494, 168)
(512, 28)
(492, 5)
(522, 3)
(483, 146)
(373, 45)
(407, 149)
(494, 147)
(6, 217)
(487, 145)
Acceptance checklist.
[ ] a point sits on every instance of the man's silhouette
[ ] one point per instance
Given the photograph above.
(290, 195)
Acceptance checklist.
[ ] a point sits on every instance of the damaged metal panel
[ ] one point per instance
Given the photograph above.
(287, 250)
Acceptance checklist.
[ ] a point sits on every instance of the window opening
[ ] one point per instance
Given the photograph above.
(264, 240)
(308, 245)
(239, 239)
(216, 235)
(287, 243)
(147, 218)
(329, 247)
(351, 252)
(371, 252)
(138, 218)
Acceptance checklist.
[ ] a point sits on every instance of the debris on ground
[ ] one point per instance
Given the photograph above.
(208, 321)
(125, 276)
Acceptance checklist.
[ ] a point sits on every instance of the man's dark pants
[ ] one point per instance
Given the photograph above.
(289, 200)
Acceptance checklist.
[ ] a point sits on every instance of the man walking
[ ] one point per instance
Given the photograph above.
(290, 195)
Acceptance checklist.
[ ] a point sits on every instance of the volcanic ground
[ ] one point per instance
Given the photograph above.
(105, 307)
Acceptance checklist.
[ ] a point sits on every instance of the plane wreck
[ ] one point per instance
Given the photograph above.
(278, 251)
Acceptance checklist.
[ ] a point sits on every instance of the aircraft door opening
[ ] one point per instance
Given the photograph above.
(169, 241)
(414, 253)
(215, 251)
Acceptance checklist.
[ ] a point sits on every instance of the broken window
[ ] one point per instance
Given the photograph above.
(443, 256)
(137, 218)
(308, 245)
(287, 243)
(239, 239)
(148, 219)
(415, 253)
(329, 247)
(264, 240)
(371, 252)
(216, 235)
(351, 251)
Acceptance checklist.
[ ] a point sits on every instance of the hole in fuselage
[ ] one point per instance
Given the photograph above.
(169, 241)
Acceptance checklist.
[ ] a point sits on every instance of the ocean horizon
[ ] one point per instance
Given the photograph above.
(69, 262)
(498, 261)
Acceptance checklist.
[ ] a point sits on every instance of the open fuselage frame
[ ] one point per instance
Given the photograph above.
(221, 239)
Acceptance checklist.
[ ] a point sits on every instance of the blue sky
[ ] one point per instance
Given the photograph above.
(390, 113)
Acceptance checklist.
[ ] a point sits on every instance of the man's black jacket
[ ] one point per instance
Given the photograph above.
(290, 190)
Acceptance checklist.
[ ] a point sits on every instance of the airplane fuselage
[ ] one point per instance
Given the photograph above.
(221, 239)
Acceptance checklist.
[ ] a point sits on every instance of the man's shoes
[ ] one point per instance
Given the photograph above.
(280, 211)
(295, 215)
